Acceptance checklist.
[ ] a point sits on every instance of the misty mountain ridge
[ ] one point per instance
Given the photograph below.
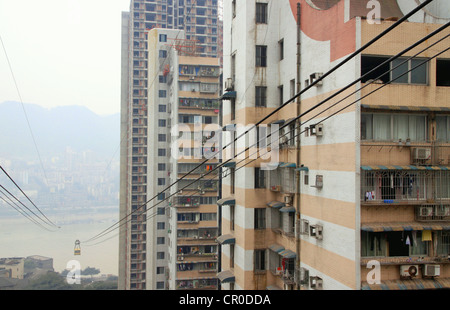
(55, 130)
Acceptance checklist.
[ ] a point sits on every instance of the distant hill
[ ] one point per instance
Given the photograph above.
(55, 129)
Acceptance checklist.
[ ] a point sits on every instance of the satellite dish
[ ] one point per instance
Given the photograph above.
(437, 9)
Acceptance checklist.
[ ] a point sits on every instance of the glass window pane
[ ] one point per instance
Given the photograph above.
(381, 126)
(442, 131)
(398, 71)
(401, 127)
(366, 127)
(419, 75)
(417, 127)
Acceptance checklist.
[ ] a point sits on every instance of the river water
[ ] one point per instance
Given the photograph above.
(19, 237)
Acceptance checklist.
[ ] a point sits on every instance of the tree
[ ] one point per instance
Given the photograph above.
(50, 281)
(90, 271)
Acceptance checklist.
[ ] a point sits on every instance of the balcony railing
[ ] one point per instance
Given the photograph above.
(385, 184)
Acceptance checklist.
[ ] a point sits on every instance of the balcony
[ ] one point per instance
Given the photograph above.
(404, 184)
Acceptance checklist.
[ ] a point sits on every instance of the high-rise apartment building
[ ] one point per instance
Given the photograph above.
(194, 87)
(142, 246)
(359, 194)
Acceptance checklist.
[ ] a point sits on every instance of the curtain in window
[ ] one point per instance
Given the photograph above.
(417, 127)
(381, 126)
(442, 129)
(417, 246)
(401, 127)
(366, 127)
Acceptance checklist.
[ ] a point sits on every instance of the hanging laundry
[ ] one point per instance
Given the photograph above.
(426, 235)
(414, 237)
(408, 242)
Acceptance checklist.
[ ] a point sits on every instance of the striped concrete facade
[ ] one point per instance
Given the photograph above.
(315, 236)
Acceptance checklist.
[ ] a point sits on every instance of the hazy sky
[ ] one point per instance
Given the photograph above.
(62, 52)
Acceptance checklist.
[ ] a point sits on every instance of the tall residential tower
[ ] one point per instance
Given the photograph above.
(140, 260)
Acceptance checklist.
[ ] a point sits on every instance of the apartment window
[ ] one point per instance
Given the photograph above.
(161, 152)
(161, 167)
(233, 109)
(443, 128)
(261, 96)
(261, 56)
(392, 244)
(443, 72)
(162, 108)
(208, 216)
(160, 240)
(161, 181)
(159, 270)
(292, 132)
(162, 123)
(260, 178)
(161, 196)
(260, 260)
(232, 179)
(384, 127)
(260, 218)
(162, 93)
(418, 75)
(162, 54)
(281, 48)
(369, 63)
(161, 210)
(261, 13)
(163, 79)
(163, 38)
(292, 86)
(160, 255)
(280, 94)
(160, 225)
(232, 215)
(159, 285)
(162, 138)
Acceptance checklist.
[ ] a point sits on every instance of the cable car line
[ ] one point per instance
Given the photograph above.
(299, 126)
(48, 220)
(371, 42)
(16, 207)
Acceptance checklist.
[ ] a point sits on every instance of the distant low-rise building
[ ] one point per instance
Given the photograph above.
(41, 262)
(15, 265)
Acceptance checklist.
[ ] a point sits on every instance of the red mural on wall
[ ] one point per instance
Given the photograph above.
(325, 21)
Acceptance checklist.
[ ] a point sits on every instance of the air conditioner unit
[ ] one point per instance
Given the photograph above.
(314, 77)
(420, 153)
(442, 210)
(304, 227)
(319, 130)
(316, 231)
(288, 199)
(409, 271)
(316, 283)
(431, 270)
(426, 211)
(229, 85)
(319, 181)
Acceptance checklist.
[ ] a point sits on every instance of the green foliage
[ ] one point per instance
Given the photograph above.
(89, 271)
(50, 281)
